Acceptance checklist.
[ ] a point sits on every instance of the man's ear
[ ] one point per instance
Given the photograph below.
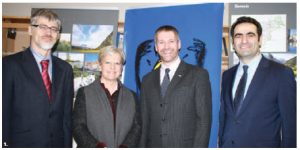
(260, 41)
(29, 30)
(232, 44)
(155, 47)
(58, 36)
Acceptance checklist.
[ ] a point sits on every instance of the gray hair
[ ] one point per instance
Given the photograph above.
(46, 13)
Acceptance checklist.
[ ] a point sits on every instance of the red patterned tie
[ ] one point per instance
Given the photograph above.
(46, 77)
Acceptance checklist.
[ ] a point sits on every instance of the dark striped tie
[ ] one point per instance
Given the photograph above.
(165, 83)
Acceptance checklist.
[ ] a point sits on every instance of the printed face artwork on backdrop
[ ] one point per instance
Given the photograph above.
(148, 59)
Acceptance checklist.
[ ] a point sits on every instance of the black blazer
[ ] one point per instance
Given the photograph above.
(28, 120)
(183, 117)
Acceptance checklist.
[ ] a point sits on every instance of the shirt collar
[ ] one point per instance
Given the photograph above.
(253, 63)
(38, 57)
(172, 66)
(107, 91)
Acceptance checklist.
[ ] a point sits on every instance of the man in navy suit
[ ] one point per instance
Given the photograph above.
(37, 90)
(263, 112)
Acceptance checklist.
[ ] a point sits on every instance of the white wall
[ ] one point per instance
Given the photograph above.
(24, 9)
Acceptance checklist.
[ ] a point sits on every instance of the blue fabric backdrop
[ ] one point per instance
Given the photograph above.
(200, 28)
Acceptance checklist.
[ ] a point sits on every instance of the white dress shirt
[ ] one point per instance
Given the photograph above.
(38, 58)
(173, 67)
(252, 66)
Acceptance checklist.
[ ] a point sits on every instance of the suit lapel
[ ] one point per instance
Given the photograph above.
(228, 93)
(57, 76)
(156, 82)
(257, 81)
(176, 78)
(32, 71)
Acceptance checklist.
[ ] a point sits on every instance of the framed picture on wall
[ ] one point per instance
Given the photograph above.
(292, 40)
(64, 43)
(91, 38)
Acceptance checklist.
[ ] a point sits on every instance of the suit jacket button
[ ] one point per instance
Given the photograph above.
(163, 119)
(232, 142)
(161, 105)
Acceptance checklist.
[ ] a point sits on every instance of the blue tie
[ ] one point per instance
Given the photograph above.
(165, 83)
(239, 94)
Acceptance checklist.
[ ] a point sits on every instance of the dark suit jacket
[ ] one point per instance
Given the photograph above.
(269, 108)
(183, 117)
(93, 118)
(28, 119)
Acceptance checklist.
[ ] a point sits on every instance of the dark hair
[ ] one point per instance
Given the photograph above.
(245, 19)
(166, 28)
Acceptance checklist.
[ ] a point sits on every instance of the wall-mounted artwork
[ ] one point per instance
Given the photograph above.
(91, 62)
(292, 41)
(91, 38)
(89, 71)
(64, 43)
(76, 60)
(274, 31)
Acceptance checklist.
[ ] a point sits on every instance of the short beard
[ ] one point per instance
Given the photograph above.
(47, 46)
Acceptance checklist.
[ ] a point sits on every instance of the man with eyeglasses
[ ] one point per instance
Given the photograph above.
(37, 90)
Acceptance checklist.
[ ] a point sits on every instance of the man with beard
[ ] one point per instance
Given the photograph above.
(37, 90)
(176, 98)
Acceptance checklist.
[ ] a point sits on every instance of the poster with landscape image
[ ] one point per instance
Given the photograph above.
(76, 60)
(64, 43)
(91, 38)
(292, 41)
(90, 71)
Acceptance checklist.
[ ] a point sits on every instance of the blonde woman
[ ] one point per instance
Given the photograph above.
(105, 112)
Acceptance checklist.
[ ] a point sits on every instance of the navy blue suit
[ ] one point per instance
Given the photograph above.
(268, 111)
(28, 119)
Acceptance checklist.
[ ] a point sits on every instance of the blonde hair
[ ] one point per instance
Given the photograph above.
(111, 50)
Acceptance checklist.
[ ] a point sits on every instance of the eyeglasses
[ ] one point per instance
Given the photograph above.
(45, 28)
